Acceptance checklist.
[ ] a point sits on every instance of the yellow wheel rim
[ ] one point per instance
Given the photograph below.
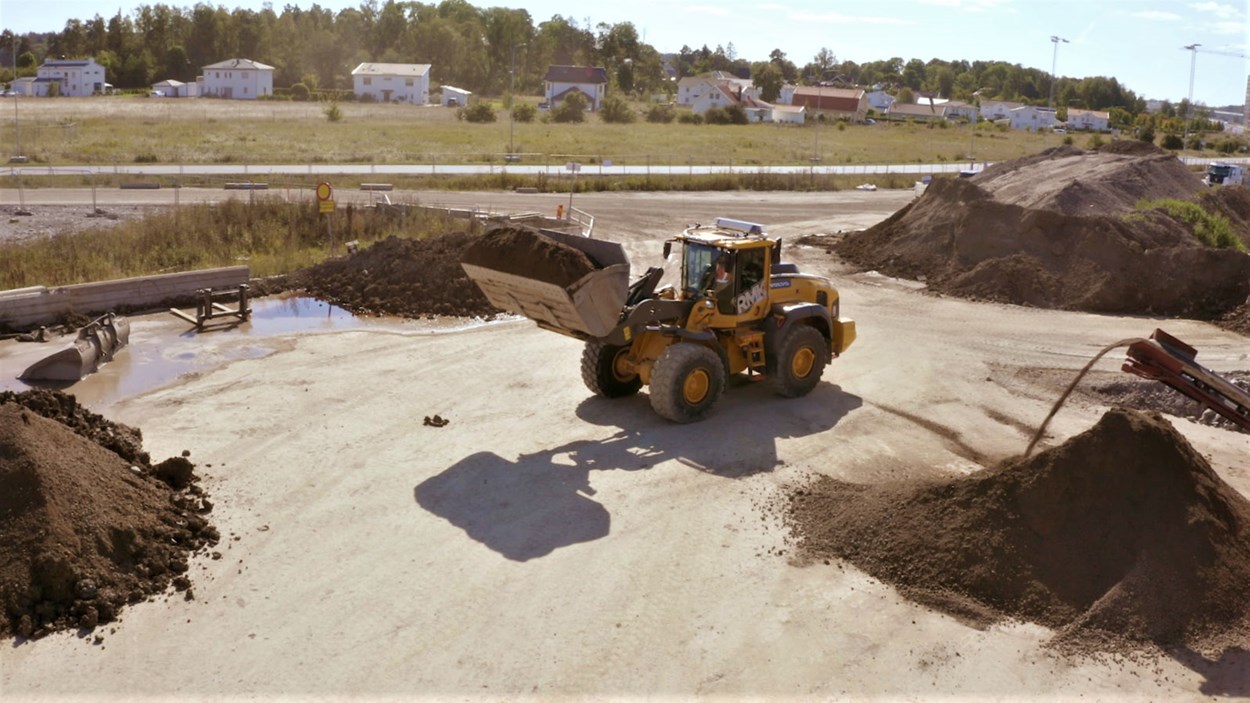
(695, 388)
(802, 363)
(620, 366)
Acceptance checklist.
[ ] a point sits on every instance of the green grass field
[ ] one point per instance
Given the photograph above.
(128, 129)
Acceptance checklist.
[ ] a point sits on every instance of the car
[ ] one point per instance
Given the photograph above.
(1060, 130)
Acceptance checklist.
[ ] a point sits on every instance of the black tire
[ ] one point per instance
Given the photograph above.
(801, 359)
(686, 382)
(601, 373)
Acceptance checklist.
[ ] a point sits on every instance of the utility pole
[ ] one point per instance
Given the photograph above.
(1054, 60)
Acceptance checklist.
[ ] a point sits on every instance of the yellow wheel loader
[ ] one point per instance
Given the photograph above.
(737, 308)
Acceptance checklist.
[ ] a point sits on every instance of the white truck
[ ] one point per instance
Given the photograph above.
(1227, 174)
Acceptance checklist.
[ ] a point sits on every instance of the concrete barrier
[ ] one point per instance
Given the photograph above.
(376, 186)
(41, 306)
(141, 185)
(246, 185)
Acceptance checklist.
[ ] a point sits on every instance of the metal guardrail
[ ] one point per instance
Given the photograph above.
(583, 219)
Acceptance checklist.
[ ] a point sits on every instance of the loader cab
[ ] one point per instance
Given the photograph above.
(744, 257)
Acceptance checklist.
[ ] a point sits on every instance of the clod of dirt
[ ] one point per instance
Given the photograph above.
(407, 277)
(528, 253)
(1053, 230)
(436, 421)
(84, 530)
(1122, 539)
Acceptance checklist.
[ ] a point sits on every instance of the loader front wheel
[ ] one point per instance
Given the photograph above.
(801, 359)
(686, 382)
(605, 371)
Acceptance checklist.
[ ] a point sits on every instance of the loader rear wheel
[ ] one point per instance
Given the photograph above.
(801, 359)
(686, 382)
(605, 372)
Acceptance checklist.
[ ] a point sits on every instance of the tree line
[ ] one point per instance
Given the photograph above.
(487, 50)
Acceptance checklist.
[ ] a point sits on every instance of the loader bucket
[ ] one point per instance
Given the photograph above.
(519, 281)
(94, 344)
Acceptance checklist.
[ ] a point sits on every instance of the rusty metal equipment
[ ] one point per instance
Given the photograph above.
(206, 308)
(1170, 361)
(93, 345)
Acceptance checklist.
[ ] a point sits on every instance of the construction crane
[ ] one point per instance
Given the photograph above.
(1193, 62)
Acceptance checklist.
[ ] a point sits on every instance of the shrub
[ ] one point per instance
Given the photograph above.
(1095, 142)
(299, 91)
(662, 114)
(524, 112)
(478, 112)
(1068, 140)
(736, 114)
(1213, 230)
(571, 109)
(332, 111)
(715, 115)
(1172, 141)
(690, 118)
(616, 111)
(1147, 134)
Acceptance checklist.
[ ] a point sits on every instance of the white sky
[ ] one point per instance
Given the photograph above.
(1139, 42)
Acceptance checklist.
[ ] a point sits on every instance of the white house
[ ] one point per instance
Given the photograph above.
(1093, 120)
(455, 97)
(175, 89)
(73, 78)
(997, 109)
(589, 80)
(789, 114)
(702, 94)
(28, 86)
(1033, 118)
(393, 82)
(960, 110)
(236, 79)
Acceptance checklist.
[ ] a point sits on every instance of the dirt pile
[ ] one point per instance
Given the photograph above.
(87, 523)
(525, 252)
(1122, 539)
(407, 277)
(1056, 230)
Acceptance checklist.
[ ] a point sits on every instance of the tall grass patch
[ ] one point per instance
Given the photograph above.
(270, 236)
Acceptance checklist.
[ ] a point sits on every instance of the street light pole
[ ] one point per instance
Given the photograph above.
(1054, 60)
(512, 105)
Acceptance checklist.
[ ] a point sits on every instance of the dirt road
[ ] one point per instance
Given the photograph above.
(549, 543)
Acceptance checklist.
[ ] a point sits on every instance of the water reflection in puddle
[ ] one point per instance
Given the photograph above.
(162, 348)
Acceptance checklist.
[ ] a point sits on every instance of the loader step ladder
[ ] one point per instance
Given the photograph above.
(206, 308)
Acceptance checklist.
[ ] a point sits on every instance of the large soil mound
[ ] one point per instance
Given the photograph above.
(1054, 230)
(86, 529)
(1122, 538)
(407, 277)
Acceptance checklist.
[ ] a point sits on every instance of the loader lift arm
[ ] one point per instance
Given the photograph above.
(1170, 361)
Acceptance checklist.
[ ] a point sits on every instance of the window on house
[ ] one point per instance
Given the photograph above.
(408, 82)
(368, 80)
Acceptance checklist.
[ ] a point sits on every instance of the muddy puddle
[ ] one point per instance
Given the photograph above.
(162, 348)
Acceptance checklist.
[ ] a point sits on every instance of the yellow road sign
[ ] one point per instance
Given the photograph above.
(324, 193)
(326, 207)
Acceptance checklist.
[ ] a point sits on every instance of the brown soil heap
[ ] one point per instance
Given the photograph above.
(407, 277)
(525, 252)
(1050, 231)
(1122, 538)
(85, 529)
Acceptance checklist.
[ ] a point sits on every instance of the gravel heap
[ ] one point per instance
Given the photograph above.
(87, 523)
(1059, 230)
(1122, 539)
(407, 277)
